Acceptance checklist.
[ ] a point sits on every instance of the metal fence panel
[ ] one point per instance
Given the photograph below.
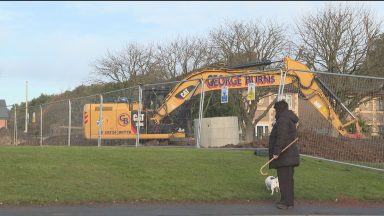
(210, 113)
(170, 109)
(120, 111)
(78, 118)
(55, 123)
(319, 130)
(350, 96)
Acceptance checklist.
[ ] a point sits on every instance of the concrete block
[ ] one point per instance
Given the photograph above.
(218, 131)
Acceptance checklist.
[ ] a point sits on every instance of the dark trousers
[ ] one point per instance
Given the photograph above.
(286, 184)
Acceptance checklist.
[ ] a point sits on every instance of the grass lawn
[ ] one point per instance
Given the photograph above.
(88, 174)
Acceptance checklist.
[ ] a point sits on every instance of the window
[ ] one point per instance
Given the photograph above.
(381, 130)
(261, 130)
(288, 99)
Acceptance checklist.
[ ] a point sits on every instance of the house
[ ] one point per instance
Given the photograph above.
(372, 111)
(309, 118)
(264, 126)
(4, 115)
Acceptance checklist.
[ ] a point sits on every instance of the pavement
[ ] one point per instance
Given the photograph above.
(188, 209)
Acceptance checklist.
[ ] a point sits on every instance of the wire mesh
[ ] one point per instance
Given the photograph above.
(171, 109)
(20, 126)
(319, 131)
(231, 117)
(55, 123)
(78, 118)
(352, 98)
(120, 110)
(245, 118)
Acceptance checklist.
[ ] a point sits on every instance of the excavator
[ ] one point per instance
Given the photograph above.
(121, 120)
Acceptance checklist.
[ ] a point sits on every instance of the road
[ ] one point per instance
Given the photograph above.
(187, 209)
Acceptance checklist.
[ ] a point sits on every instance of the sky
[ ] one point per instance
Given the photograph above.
(53, 45)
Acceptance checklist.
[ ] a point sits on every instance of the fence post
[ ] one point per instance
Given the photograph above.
(100, 121)
(41, 125)
(139, 117)
(201, 109)
(280, 93)
(15, 128)
(69, 121)
(26, 108)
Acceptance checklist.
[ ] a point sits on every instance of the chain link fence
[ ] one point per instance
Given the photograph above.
(212, 112)
(171, 112)
(352, 97)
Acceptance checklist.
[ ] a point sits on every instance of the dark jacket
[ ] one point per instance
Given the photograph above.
(282, 134)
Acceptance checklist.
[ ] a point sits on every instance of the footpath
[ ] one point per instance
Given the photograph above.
(192, 209)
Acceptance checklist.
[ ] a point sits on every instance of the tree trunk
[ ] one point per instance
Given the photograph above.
(249, 131)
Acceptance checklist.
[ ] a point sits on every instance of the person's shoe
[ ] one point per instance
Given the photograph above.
(283, 206)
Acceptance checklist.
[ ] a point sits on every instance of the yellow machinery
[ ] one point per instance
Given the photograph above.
(120, 119)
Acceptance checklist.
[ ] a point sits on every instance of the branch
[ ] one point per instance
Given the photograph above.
(264, 113)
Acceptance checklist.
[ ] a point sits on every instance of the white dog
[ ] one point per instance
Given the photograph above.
(272, 184)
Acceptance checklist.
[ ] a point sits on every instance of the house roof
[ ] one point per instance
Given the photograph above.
(3, 110)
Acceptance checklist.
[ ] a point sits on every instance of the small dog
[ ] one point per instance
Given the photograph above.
(272, 184)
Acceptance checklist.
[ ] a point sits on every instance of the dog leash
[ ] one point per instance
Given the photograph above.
(261, 169)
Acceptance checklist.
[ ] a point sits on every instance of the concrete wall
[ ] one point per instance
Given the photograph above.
(218, 131)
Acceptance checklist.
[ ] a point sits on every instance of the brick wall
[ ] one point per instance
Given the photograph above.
(3, 123)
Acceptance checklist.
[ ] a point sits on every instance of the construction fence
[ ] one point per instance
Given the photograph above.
(210, 114)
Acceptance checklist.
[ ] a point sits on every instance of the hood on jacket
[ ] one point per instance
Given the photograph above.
(288, 114)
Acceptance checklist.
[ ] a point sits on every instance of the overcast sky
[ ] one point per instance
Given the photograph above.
(52, 45)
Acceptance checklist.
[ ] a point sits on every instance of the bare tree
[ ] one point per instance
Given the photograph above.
(167, 59)
(128, 66)
(240, 42)
(183, 55)
(337, 37)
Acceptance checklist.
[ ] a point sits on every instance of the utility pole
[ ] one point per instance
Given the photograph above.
(26, 107)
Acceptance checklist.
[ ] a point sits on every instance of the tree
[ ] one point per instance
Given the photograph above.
(340, 38)
(183, 55)
(180, 57)
(373, 63)
(127, 67)
(337, 37)
(239, 43)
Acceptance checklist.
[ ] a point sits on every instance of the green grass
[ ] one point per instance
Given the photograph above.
(89, 174)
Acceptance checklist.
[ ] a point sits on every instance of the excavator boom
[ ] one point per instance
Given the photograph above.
(215, 79)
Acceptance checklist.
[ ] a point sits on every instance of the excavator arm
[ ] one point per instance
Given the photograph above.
(211, 80)
(215, 79)
(310, 88)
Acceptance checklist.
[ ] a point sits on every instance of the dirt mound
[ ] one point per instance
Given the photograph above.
(334, 148)
(347, 149)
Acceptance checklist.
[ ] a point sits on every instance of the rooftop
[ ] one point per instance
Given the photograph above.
(3, 110)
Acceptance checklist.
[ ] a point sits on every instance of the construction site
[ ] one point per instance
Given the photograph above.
(191, 113)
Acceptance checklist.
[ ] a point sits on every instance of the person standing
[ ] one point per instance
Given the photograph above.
(283, 133)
